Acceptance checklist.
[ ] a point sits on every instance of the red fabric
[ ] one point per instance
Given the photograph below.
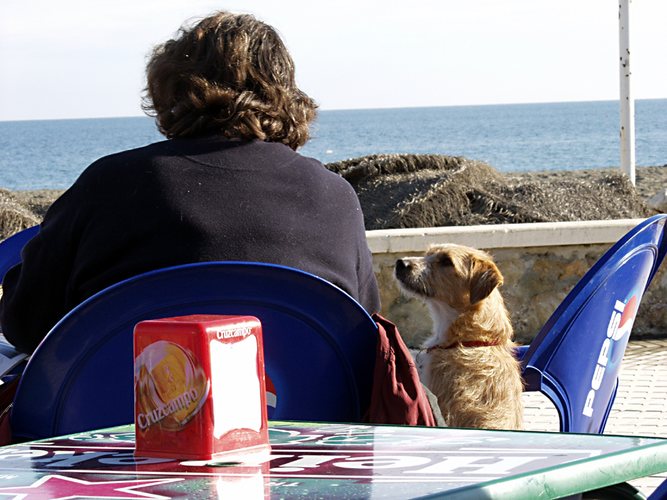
(7, 392)
(472, 343)
(398, 396)
(5, 430)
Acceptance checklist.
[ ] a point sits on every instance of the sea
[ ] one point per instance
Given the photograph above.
(50, 154)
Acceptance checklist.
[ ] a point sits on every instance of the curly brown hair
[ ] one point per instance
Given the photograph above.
(228, 74)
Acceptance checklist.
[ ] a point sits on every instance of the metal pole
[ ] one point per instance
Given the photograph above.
(626, 101)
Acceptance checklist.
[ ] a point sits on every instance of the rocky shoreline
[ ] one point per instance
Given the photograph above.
(414, 191)
(648, 180)
(436, 190)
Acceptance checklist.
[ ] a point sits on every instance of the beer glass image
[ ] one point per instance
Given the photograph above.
(171, 386)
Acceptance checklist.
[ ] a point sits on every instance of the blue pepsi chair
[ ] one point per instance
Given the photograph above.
(12, 362)
(660, 493)
(10, 249)
(575, 358)
(319, 346)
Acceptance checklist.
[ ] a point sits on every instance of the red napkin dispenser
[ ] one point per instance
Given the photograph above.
(199, 387)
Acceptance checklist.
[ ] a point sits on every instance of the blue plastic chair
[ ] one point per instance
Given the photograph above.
(660, 493)
(10, 249)
(575, 358)
(13, 362)
(319, 346)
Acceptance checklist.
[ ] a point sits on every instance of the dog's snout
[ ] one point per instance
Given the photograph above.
(401, 265)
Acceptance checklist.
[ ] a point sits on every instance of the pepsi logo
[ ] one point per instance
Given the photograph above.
(620, 324)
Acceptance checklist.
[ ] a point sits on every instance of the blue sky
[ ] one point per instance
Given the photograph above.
(85, 58)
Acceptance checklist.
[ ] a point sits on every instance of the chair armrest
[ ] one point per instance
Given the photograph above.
(520, 351)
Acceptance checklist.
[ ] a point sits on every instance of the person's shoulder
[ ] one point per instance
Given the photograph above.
(333, 179)
(308, 173)
(331, 187)
(140, 153)
(313, 167)
(115, 163)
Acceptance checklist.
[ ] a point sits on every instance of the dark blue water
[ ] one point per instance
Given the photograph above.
(516, 137)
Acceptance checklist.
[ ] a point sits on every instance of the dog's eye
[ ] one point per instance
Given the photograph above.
(444, 261)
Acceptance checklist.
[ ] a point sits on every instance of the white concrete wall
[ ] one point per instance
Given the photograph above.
(501, 235)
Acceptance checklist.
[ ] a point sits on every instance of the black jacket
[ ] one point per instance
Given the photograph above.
(182, 201)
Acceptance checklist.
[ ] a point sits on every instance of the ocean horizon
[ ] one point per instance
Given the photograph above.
(50, 154)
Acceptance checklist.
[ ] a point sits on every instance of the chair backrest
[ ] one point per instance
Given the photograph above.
(660, 493)
(10, 249)
(319, 346)
(11, 361)
(576, 356)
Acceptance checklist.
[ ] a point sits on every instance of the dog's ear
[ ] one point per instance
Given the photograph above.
(485, 277)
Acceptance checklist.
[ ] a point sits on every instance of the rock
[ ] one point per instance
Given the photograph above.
(658, 201)
(13, 215)
(410, 191)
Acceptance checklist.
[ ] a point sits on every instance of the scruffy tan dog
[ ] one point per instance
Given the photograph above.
(468, 361)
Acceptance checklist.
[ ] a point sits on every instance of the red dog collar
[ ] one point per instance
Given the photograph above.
(472, 343)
